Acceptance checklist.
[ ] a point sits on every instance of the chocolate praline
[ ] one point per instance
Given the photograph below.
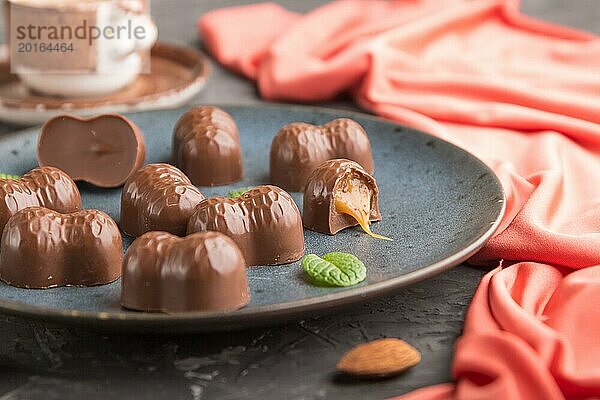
(298, 148)
(158, 197)
(41, 248)
(206, 146)
(200, 272)
(44, 187)
(103, 150)
(334, 178)
(264, 222)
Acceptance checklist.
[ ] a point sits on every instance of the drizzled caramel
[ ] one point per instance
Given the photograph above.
(353, 198)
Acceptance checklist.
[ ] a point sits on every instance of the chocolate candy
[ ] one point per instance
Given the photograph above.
(103, 150)
(264, 222)
(299, 148)
(46, 187)
(340, 194)
(158, 197)
(42, 248)
(206, 146)
(201, 272)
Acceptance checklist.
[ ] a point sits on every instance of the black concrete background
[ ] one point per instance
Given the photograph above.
(294, 361)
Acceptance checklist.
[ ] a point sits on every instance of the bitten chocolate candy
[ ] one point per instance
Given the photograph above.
(42, 248)
(46, 187)
(158, 197)
(206, 146)
(201, 272)
(299, 148)
(264, 222)
(340, 194)
(103, 150)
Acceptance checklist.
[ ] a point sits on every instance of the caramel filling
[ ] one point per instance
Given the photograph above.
(353, 198)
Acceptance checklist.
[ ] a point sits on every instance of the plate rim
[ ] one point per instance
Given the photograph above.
(265, 314)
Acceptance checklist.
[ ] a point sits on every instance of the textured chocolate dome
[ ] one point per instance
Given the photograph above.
(158, 197)
(264, 222)
(42, 248)
(206, 146)
(200, 272)
(299, 148)
(44, 187)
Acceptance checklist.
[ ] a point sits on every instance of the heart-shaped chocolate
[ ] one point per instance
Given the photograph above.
(298, 148)
(45, 187)
(201, 272)
(41, 248)
(103, 150)
(158, 197)
(206, 146)
(264, 222)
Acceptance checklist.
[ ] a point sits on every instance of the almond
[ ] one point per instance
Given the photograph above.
(382, 357)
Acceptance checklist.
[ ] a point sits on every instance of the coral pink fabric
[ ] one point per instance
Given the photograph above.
(521, 94)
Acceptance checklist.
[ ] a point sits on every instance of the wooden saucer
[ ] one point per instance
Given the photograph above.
(177, 75)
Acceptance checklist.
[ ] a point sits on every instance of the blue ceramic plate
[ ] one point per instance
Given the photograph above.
(439, 203)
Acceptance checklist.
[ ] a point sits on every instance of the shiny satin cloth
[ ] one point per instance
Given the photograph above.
(521, 94)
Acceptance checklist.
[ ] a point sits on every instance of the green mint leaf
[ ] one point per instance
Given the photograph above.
(238, 192)
(335, 269)
(7, 176)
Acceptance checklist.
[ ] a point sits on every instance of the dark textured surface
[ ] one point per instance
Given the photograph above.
(294, 361)
(436, 201)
